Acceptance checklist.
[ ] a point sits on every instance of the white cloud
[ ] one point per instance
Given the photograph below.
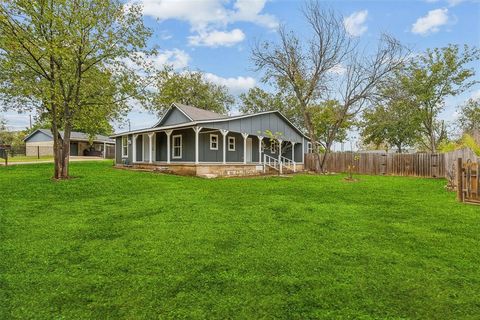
(354, 23)
(207, 16)
(476, 95)
(250, 10)
(235, 85)
(217, 38)
(431, 22)
(453, 3)
(338, 69)
(177, 58)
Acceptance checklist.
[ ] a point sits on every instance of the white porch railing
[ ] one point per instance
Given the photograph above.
(278, 165)
(270, 162)
(290, 164)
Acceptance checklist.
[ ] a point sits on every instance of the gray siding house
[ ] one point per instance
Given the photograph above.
(192, 141)
(40, 143)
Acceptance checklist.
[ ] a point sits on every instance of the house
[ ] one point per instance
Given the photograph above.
(40, 143)
(192, 141)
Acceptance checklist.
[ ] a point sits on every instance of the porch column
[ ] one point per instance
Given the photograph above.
(224, 135)
(168, 132)
(150, 140)
(244, 135)
(104, 150)
(293, 151)
(303, 150)
(280, 155)
(260, 138)
(134, 147)
(197, 131)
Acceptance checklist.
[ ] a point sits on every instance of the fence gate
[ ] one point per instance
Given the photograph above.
(468, 186)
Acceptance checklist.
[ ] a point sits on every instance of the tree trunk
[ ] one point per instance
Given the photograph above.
(57, 146)
(66, 152)
(433, 144)
(324, 159)
(61, 151)
(312, 137)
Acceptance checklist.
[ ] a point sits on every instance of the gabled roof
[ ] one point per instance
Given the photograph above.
(220, 118)
(191, 112)
(74, 135)
(196, 114)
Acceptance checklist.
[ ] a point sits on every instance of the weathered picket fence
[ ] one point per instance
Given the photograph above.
(417, 164)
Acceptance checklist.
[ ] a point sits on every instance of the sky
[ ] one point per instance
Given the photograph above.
(216, 36)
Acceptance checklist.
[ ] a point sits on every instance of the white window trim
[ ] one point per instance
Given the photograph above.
(273, 146)
(309, 147)
(180, 146)
(211, 136)
(123, 147)
(230, 141)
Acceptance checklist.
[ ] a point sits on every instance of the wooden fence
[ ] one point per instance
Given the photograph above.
(468, 181)
(431, 165)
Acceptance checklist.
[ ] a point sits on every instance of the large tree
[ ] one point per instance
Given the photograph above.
(190, 88)
(259, 100)
(68, 60)
(469, 119)
(329, 122)
(310, 67)
(430, 78)
(393, 121)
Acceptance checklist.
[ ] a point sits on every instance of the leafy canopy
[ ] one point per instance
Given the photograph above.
(430, 78)
(259, 100)
(190, 88)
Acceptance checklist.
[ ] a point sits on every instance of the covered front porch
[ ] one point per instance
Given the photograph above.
(200, 149)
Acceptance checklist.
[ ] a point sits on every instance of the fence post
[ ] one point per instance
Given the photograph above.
(460, 179)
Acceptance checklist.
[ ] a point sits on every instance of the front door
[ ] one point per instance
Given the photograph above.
(74, 148)
(249, 149)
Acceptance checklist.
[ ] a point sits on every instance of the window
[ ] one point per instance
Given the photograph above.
(177, 146)
(213, 142)
(124, 146)
(309, 147)
(273, 146)
(231, 143)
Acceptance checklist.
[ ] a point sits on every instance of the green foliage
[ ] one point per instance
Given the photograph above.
(12, 138)
(469, 119)
(117, 244)
(430, 78)
(328, 120)
(394, 124)
(70, 61)
(190, 88)
(467, 141)
(258, 100)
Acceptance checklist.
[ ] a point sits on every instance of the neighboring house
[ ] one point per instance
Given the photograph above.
(193, 141)
(40, 143)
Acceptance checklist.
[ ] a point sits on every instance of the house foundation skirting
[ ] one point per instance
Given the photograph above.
(207, 169)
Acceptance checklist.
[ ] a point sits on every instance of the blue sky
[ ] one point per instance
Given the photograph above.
(215, 36)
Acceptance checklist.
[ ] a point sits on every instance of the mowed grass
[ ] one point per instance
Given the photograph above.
(116, 244)
(27, 159)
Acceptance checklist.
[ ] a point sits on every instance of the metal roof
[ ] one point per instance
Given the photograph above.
(199, 116)
(74, 135)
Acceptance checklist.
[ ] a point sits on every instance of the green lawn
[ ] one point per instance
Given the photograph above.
(116, 244)
(28, 159)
